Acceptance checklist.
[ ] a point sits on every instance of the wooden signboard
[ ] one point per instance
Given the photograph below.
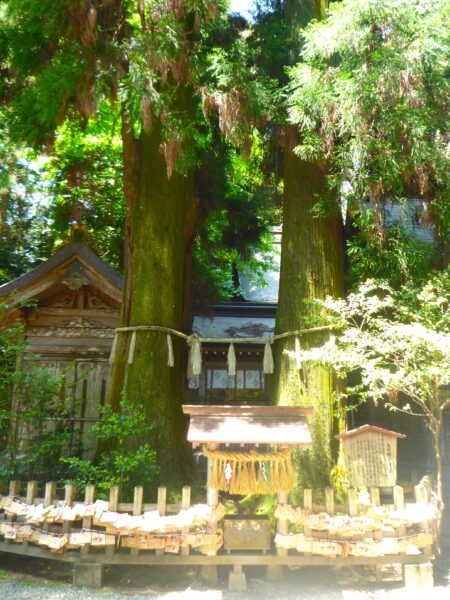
(371, 456)
(246, 534)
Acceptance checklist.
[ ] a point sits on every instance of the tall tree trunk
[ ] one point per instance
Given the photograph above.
(311, 267)
(161, 220)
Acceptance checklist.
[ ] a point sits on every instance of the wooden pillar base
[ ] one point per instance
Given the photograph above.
(237, 582)
(208, 574)
(378, 574)
(274, 572)
(88, 575)
(418, 576)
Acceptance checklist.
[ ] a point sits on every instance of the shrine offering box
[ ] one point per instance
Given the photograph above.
(252, 533)
(371, 456)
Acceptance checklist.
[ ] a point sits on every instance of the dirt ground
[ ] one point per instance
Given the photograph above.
(33, 579)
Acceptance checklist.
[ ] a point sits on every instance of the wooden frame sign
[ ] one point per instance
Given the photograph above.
(371, 456)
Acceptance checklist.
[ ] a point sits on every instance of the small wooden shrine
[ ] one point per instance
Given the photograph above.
(249, 447)
(371, 456)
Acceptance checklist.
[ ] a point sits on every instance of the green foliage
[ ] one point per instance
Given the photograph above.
(65, 55)
(429, 305)
(398, 346)
(125, 459)
(310, 469)
(19, 219)
(399, 255)
(371, 98)
(234, 231)
(142, 55)
(83, 183)
(34, 422)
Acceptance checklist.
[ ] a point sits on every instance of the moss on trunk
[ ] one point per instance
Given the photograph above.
(311, 267)
(161, 221)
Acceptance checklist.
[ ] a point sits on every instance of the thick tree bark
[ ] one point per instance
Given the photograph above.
(312, 261)
(161, 221)
(311, 267)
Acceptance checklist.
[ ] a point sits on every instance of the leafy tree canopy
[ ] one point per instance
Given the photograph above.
(371, 98)
(398, 344)
(84, 63)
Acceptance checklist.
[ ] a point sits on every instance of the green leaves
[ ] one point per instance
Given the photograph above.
(397, 343)
(34, 425)
(372, 99)
(126, 459)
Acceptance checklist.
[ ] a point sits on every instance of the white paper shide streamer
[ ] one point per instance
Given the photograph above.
(132, 348)
(170, 359)
(231, 360)
(195, 341)
(268, 359)
(113, 350)
(195, 357)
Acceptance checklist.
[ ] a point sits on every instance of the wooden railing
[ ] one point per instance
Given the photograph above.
(91, 533)
(359, 528)
(62, 524)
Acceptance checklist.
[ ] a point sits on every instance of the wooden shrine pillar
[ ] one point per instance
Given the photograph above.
(209, 573)
(275, 572)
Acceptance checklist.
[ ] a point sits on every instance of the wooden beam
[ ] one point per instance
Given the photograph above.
(220, 559)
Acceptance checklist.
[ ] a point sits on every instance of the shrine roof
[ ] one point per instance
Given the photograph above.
(369, 429)
(283, 425)
(233, 326)
(71, 261)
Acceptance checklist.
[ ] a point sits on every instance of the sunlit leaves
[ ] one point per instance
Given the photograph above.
(398, 343)
(372, 99)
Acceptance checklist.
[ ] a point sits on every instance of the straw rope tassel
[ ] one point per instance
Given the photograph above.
(113, 350)
(248, 471)
(252, 472)
(132, 348)
(170, 360)
(268, 359)
(298, 360)
(231, 360)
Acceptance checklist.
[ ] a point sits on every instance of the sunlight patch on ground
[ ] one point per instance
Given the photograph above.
(190, 594)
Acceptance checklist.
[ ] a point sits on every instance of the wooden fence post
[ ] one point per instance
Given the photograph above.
(137, 509)
(185, 504)
(375, 496)
(32, 490)
(421, 493)
(50, 492)
(209, 573)
(113, 506)
(70, 491)
(14, 487)
(87, 521)
(161, 502)
(275, 572)
(307, 501)
(399, 497)
(14, 490)
(329, 500)
(352, 502)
